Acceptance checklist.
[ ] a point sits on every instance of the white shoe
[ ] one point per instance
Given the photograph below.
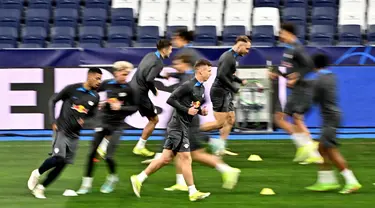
(33, 180)
(38, 192)
(84, 190)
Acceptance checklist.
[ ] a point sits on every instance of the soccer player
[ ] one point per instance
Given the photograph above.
(182, 40)
(143, 81)
(186, 100)
(80, 101)
(121, 102)
(230, 175)
(298, 64)
(325, 96)
(223, 89)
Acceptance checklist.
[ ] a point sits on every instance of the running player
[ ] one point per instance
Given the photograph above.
(223, 89)
(121, 102)
(325, 95)
(298, 64)
(80, 101)
(186, 100)
(143, 81)
(182, 40)
(230, 175)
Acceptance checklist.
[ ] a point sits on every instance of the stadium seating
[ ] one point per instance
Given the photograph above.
(139, 23)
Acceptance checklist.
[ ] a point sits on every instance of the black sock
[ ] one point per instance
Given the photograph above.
(111, 165)
(54, 174)
(49, 164)
(98, 137)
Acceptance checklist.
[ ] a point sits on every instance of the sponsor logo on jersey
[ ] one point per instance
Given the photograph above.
(80, 108)
(196, 104)
(286, 64)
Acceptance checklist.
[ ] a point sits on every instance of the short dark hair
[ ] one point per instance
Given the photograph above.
(289, 27)
(163, 43)
(185, 58)
(321, 60)
(185, 34)
(202, 62)
(95, 70)
(242, 38)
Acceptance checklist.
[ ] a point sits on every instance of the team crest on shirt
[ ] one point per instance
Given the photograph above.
(289, 56)
(202, 95)
(122, 94)
(90, 103)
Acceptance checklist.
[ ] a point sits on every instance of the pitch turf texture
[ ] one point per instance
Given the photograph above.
(277, 171)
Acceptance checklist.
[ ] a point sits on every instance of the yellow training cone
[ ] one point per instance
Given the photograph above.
(267, 191)
(255, 158)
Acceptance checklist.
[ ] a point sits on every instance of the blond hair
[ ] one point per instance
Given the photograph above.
(123, 65)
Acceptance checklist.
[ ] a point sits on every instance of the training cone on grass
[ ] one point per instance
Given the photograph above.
(267, 191)
(255, 158)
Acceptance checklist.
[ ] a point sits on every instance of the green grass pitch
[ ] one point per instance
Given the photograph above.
(277, 171)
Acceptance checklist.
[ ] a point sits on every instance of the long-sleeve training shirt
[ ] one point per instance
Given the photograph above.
(78, 103)
(149, 68)
(124, 94)
(190, 94)
(226, 70)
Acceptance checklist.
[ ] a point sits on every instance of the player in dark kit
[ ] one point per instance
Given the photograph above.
(223, 89)
(121, 102)
(182, 40)
(230, 175)
(325, 95)
(143, 81)
(186, 100)
(298, 65)
(80, 101)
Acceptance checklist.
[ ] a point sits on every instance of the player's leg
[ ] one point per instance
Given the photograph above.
(57, 162)
(158, 154)
(148, 110)
(185, 161)
(227, 128)
(155, 165)
(230, 175)
(306, 142)
(87, 179)
(326, 176)
(112, 178)
(330, 143)
(180, 181)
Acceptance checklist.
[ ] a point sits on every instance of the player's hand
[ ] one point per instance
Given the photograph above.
(272, 75)
(101, 104)
(116, 106)
(204, 111)
(54, 127)
(244, 82)
(291, 82)
(294, 75)
(193, 111)
(81, 121)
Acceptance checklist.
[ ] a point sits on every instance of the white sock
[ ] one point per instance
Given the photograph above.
(141, 143)
(87, 181)
(40, 186)
(224, 143)
(192, 190)
(36, 172)
(157, 156)
(104, 144)
(180, 180)
(222, 168)
(142, 176)
(298, 140)
(349, 176)
(327, 176)
(112, 177)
